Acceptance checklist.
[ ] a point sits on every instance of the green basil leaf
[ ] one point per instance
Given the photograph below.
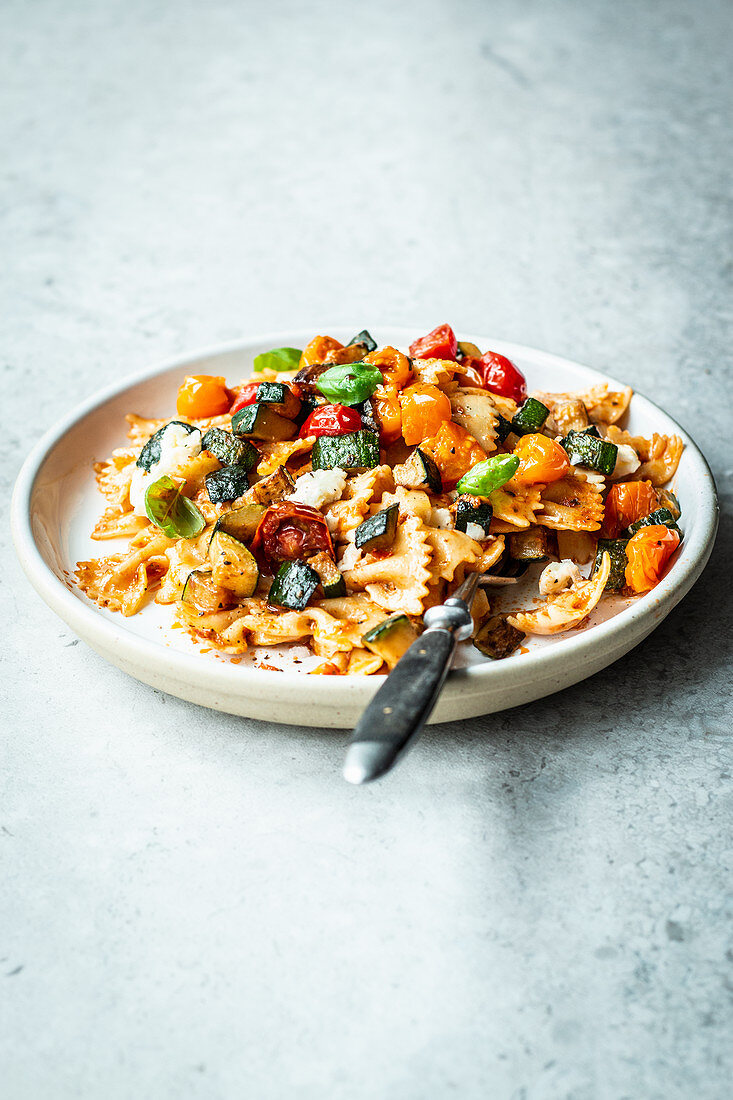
(169, 509)
(349, 383)
(483, 478)
(278, 359)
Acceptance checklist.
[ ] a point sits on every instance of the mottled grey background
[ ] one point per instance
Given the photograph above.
(537, 904)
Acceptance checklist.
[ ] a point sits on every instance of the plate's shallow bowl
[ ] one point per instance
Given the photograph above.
(56, 504)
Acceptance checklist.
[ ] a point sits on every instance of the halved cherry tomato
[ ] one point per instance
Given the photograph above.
(387, 413)
(395, 367)
(441, 343)
(317, 350)
(331, 420)
(503, 377)
(540, 459)
(289, 531)
(201, 396)
(454, 450)
(626, 502)
(244, 395)
(424, 409)
(648, 551)
(470, 372)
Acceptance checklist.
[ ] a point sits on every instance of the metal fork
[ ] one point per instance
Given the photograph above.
(403, 704)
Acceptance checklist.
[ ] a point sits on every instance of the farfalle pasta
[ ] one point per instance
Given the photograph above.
(343, 490)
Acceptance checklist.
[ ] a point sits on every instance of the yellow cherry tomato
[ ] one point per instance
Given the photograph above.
(202, 396)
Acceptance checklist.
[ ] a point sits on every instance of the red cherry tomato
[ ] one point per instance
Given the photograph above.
(502, 377)
(331, 420)
(289, 531)
(244, 395)
(441, 343)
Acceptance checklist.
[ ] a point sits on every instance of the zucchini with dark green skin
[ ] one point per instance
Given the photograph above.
(668, 500)
(588, 449)
(470, 509)
(293, 585)
(365, 339)
(532, 544)
(497, 638)
(378, 531)
(503, 427)
(351, 451)
(276, 486)
(332, 582)
(241, 522)
(226, 484)
(661, 516)
(259, 421)
(280, 398)
(530, 418)
(230, 450)
(616, 550)
(419, 472)
(391, 639)
(150, 454)
(204, 595)
(233, 566)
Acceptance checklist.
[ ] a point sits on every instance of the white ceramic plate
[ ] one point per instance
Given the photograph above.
(56, 503)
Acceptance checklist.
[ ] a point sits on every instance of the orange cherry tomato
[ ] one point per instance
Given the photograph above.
(395, 367)
(648, 551)
(540, 459)
(202, 396)
(388, 414)
(626, 502)
(317, 350)
(454, 450)
(424, 409)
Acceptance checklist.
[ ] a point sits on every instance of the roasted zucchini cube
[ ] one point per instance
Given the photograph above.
(332, 582)
(378, 531)
(276, 486)
(259, 421)
(616, 550)
(351, 451)
(497, 638)
(391, 639)
(226, 484)
(365, 340)
(202, 594)
(419, 472)
(280, 398)
(530, 417)
(230, 450)
(241, 522)
(294, 585)
(588, 449)
(150, 454)
(232, 565)
(471, 509)
(532, 544)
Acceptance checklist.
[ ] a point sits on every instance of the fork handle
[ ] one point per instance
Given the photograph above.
(403, 704)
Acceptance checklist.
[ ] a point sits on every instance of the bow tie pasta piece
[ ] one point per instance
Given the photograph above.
(660, 455)
(571, 504)
(398, 582)
(566, 610)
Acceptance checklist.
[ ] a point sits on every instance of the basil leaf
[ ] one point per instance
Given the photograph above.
(278, 359)
(483, 478)
(169, 509)
(349, 383)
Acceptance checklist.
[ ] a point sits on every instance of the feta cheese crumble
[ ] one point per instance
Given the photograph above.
(319, 487)
(475, 531)
(177, 448)
(627, 461)
(558, 575)
(441, 517)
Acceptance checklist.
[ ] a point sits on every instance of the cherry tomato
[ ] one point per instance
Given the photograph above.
(502, 377)
(317, 350)
(424, 409)
(387, 413)
(454, 450)
(441, 343)
(540, 459)
(648, 551)
(244, 395)
(289, 531)
(395, 367)
(331, 420)
(626, 502)
(202, 396)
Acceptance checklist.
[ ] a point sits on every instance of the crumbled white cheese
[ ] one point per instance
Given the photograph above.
(627, 461)
(177, 448)
(441, 517)
(350, 556)
(475, 531)
(319, 487)
(558, 575)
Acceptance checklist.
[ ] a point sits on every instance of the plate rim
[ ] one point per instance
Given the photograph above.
(222, 676)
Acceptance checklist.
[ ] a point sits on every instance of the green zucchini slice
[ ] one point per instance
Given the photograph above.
(241, 522)
(273, 488)
(351, 451)
(467, 350)
(230, 450)
(280, 398)
(496, 638)
(588, 449)
(226, 484)
(201, 593)
(668, 500)
(419, 472)
(616, 550)
(259, 421)
(391, 639)
(530, 417)
(365, 340)
(294, 585)
(470, 509)
(661, 516)
(332, 582)
(150, 454)
(232, 565)
(378, 531)
(532, 544)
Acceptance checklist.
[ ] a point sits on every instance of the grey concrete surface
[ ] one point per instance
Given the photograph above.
(536, 905)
